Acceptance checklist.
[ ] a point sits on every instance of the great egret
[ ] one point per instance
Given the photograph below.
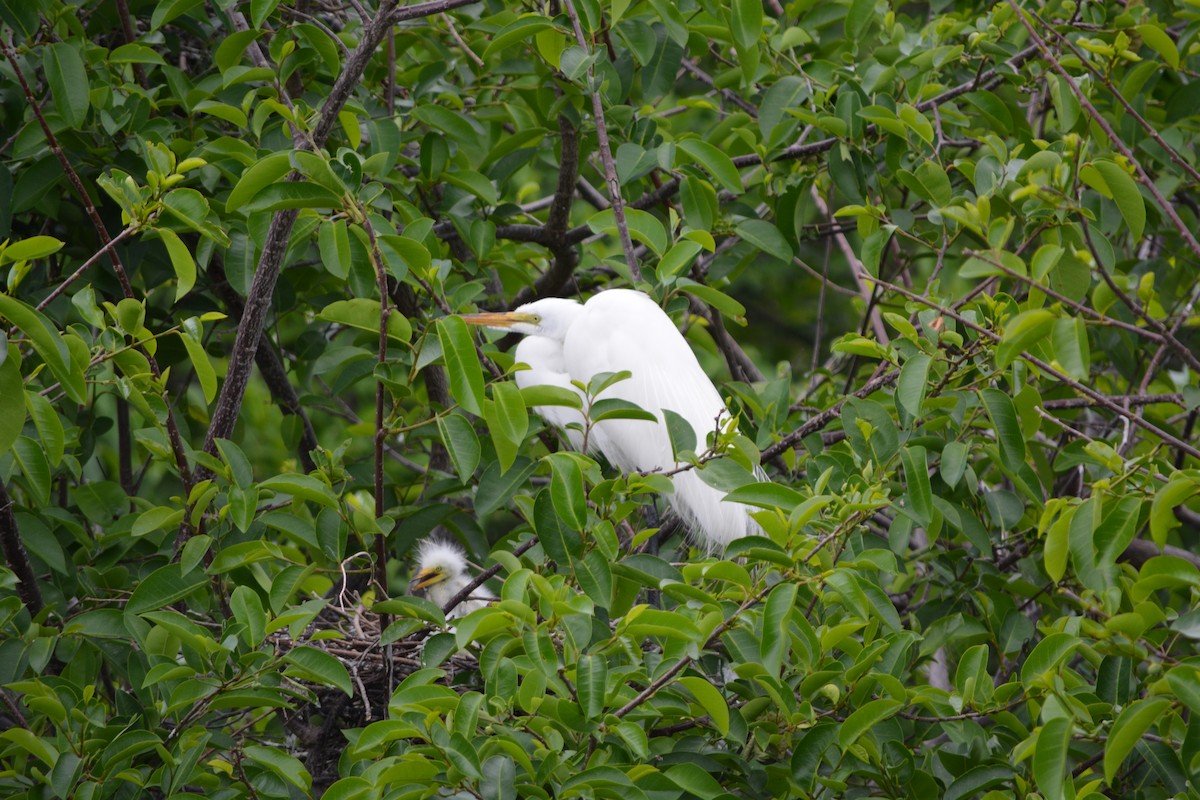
(441, 573)
(614, 331)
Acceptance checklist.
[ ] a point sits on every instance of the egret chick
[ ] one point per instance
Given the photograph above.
(624, 330)
(441, 573)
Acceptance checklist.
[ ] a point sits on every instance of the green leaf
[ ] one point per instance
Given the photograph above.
(68, 81)
(746, 23)
(363, 314)
(1021, 332)
(1003, 414)
(520, 29)
(462, 364)
(713, 158)
(865, 718)
(1050, 758)
(239, 465)
(594, 573)
(156, 519)
(497, 486)
(507, 420)
(561, 543)
(954, 463)
(591, 679)
(616, 408)
(1184, 681)
(1049, 653)
(913, 383)
(48, 343)
(312, 664)
(189, 207)
(135, 54)
(257, 177)
(1162, 509)
(710, 699)
(694, 780)
(200, 362)
(681, 432)
(1161, 42)
(285, 767)
(168, 10)
(643, 226)
(1128, 730)
(333, 241)
(678, 258)
(767, 495)
(776, 630)
(566, 490)
(766, 237)
(163, 587)
(181, 261)
(1112, 180)
(247, 608)
(292, 194)
(461, 443)
(12, 400)
(29, 249)
(302, 487)
(916, 474)
(1071, 350)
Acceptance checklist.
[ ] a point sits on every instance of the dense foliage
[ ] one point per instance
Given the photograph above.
(941, 259)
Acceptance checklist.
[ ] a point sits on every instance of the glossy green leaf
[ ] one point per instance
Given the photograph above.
(462, 364)
(68, 81)
(1128, 730)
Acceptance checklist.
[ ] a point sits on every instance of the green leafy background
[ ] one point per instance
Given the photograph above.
(941, 259)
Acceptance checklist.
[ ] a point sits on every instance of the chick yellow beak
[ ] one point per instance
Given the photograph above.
(498, 319)
(426, 578)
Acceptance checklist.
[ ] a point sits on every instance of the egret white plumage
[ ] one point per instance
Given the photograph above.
(624, 330)
(441, 573)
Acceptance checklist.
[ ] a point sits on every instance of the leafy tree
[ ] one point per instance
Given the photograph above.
(942, 257)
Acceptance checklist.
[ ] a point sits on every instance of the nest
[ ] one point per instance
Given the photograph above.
(350, 633)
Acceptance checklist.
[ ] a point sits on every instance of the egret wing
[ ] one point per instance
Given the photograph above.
(625, 330)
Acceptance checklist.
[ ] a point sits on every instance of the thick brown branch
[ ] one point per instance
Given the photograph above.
(253, 322)
(16, 557)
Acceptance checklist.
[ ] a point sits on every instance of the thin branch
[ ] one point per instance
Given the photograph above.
(602, 144)
(1100, 399)
(485, 576)
(380, 573)
(74, 276)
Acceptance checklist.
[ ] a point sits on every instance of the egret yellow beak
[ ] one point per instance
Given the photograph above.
(426, 578)
(498, 319)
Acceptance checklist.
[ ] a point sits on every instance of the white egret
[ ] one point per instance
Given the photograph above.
(624, 330)
(441, 573)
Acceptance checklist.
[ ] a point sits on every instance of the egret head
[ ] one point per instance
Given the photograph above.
(440, 565)
(551, 317)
